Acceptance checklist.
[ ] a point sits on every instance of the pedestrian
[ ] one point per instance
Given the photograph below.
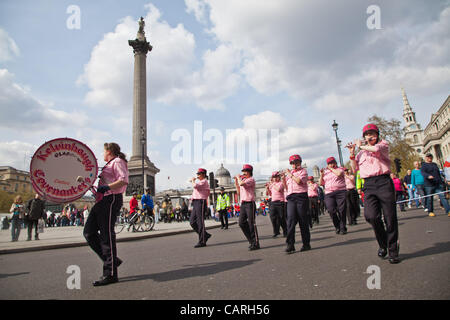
(275, 189)
(313, 196)
(147, 202)
(408, 187)
(199, 198)
(333, 180)
(134, 205)
(379, 194)
(245, 185)
(223, 203)
(184, 211)
(296, 185)
(156, 212)
(18, 214)
(352, 197)
(35, 210)
(417, 185)
(433, 184)
(359, 188)
(398, 186)
(99, 227)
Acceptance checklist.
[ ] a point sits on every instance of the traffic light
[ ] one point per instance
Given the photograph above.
(398, 165)
(216, 183)
(211, 180)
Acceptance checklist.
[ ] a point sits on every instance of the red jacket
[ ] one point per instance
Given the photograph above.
(133, 205)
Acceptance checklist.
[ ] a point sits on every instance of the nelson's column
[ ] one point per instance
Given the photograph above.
(141, 170)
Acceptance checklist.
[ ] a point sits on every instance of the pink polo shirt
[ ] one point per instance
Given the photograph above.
(350, 182)
(247, 190)
(277, 195)
(116, 169)
(371, 164)
(332, 182)
(201, 190)
(312, 190)
(294, 187)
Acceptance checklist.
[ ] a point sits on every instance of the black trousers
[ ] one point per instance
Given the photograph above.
(314, 208)
(223, 215)
(31, 224)
(99, 231)
(197, 219)
(352, 199)
(337, 208)
(247, 222)
(277, 217)
(379, 199)
(297, 211)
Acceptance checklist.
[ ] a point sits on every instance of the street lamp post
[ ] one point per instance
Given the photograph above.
(143, 141)
(338, 141)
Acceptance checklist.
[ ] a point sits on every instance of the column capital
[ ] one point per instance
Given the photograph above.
(140, 46)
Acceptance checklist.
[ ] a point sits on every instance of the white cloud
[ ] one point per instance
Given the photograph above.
(22, 112)
(17, 154)
(198, 7)
(8, 47)
(171, 76)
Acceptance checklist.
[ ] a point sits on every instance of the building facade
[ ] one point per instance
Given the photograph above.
(15, 181)
(437, 134)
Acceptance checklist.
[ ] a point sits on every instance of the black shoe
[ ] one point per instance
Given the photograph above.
(199, 245)
(226, 228)
(254, 247)
(222, 227)
(337, 231)
(290, 249)
(105, 281)
(394, 260)
(275, 235)
(343, 232)
(118, 262)
(382, 252)
(208, 235)
(305, 248)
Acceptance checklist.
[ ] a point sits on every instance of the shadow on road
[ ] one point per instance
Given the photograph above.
(198, 270)
(439, 247)
(5, 275)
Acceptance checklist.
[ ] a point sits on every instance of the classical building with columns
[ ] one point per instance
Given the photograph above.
(437, 134)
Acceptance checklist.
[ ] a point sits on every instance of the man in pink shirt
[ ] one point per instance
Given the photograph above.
(379, 193)
(275, 189)
(352, 197)
(332, 178)
(313, 196)
(199, 198)
(295, 181)
(247, 217)
(99, 227)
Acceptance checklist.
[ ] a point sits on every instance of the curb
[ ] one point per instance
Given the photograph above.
(84, 243)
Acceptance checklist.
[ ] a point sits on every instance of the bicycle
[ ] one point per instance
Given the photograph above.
(139, 221)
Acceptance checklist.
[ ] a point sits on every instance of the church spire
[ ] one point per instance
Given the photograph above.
(406, 106)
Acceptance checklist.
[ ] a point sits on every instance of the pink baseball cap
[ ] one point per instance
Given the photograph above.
(295, 157)
(201, 170)
(370, 127)
(275, 173)
(330, 160)
(247, 167)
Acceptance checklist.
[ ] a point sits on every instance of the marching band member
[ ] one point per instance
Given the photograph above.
(352, 197)
(379, 193)
(275, 189)
(313, 196)
(332, 178)
(199, 198)
(295, 182)
(247, 217)
(99, 227)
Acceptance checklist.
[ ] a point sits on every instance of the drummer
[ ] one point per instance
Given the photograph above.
(99, 227)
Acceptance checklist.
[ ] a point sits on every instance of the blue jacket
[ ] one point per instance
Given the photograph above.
(416, 178)
(147, 201)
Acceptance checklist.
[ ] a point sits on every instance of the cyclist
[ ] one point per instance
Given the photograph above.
(147, 202)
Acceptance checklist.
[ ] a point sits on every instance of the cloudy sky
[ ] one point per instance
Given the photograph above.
(234, 67)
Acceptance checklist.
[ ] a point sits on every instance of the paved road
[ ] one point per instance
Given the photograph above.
(170, 268)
